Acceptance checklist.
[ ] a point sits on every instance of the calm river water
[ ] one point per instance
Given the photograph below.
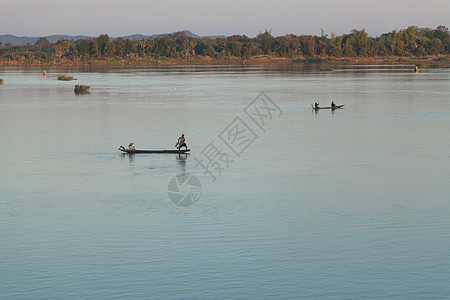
(274, 201)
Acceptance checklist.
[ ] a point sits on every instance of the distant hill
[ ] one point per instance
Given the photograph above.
(22, 40)
(140, 36)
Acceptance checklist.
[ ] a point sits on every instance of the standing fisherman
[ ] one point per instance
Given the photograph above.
(181, 142)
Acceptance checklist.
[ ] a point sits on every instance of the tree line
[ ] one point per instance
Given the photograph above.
(413, 41)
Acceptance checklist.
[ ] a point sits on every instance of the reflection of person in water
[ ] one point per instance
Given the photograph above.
(181, 161)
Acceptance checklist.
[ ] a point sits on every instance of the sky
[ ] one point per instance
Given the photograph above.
(209, 17)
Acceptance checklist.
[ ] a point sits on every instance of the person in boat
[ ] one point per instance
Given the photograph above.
(181, 142)
(333, 105)
(316, 104)
(131, 146)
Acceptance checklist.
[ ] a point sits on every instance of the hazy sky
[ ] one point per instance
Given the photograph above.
(209, 17)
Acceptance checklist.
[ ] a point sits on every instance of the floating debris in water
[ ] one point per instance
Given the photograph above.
(82, 89)
(65, 78)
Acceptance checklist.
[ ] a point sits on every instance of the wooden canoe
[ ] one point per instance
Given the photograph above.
(327, 107)
(154, 151)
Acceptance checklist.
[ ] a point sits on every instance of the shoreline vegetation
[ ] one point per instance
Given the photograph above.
(412, 45)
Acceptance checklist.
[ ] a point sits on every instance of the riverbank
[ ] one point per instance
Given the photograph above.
(440, 61)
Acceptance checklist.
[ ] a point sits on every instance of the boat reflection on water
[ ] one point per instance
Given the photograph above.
(131, 157)
(181, 161)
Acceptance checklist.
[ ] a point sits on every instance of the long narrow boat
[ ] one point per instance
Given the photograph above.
(327, 107)
(154, 151)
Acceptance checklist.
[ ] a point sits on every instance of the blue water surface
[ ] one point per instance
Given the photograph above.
(295, 204)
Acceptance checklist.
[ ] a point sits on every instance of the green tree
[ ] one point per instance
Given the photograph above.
(120, 46)
(308, 45)
(102, 43)
(151, 46)
(373, 48)
(27, 47)
(441, 32)
(133, 47)
(322, 43)
(205, 47)
(180, 38)
(288, 46)
(165, 47)
(222, 47)
(236, 48)
(383, 46)
(335, 48)
(93, 48)
(144, 47)
(61, 46)
(436, 47)
(410, 38)
(360, 42)
(348, 46)
(422, 43)
(42, 45)
(396, 42)
(83, 47)
(110, 50)
(266, 41)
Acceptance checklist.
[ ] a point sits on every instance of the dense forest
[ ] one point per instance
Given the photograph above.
(410, 42)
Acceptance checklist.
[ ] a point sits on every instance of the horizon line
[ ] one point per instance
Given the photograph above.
(208, 35)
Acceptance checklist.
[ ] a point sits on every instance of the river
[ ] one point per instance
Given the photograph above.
(274, 201)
